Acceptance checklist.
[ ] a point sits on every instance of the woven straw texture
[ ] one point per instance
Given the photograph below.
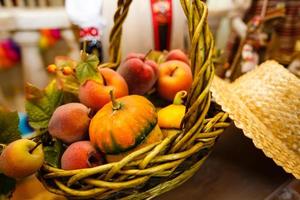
(265, 103)
(162, 166)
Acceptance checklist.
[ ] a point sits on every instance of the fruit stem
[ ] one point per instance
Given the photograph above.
(116, 105)
(178, 100)
(173, 71)
(147, 54)
(37, 144)
(2, 147)
(103, 79)
(83, 51)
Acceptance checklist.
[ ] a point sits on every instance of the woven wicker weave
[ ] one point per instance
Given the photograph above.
(170, 162)
(265, 103)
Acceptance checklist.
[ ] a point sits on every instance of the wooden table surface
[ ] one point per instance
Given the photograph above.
(236, 170)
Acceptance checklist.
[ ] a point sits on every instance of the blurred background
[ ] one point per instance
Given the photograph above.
(34, 32)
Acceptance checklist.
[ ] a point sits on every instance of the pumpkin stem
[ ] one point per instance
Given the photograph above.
(178, 100)
(116, 105)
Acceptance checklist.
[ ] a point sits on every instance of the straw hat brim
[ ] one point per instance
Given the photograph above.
(261, 134)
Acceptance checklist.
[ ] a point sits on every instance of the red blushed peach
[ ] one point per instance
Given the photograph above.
(177, 54)
(80, 155)
(96, 95)
(174, 76)
(70, 122)
(140, 74)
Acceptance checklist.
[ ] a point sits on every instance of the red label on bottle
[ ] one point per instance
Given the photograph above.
(162, 23)
(88, 33)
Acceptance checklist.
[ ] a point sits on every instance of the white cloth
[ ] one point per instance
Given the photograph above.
(86, 13)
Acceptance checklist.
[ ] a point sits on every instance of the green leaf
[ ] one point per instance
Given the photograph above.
(68, 84)
(53, 154)
(41, 104)
(87, 70)
(53, 95)
(7, 185)
(33, 92)
(157, 56)
(9, 130)
(92, 60)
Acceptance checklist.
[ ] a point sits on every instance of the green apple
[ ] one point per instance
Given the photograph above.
(21, 158)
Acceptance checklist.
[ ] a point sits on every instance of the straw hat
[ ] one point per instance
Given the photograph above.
(265, 103)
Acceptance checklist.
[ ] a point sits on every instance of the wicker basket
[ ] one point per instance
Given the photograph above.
(174, 160)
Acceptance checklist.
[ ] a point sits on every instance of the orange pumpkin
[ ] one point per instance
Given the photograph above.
(155, 135)
(122, 124)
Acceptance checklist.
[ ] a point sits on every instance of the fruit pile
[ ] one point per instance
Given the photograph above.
(90, 115)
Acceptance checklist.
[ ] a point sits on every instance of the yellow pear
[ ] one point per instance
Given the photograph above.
(21, 158)
(170, 117)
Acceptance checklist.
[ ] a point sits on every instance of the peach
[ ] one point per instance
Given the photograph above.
(140, 74)
(21, 158)
(80, 155)
(174, 76)
(177, 54)
(70, 122)
(96, 95)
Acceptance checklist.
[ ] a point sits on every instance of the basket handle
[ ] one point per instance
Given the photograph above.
(116, 34)
(201, 51)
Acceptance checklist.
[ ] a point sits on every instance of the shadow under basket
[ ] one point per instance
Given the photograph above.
(160, 167)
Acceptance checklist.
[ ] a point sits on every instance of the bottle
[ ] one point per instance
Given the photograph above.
(92, 37)
(162, 23)
(87, 15)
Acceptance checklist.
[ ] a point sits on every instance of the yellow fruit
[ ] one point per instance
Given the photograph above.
(21, 158)
(52, 68)
(172, 115)
(67, 70)
(31, 188)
